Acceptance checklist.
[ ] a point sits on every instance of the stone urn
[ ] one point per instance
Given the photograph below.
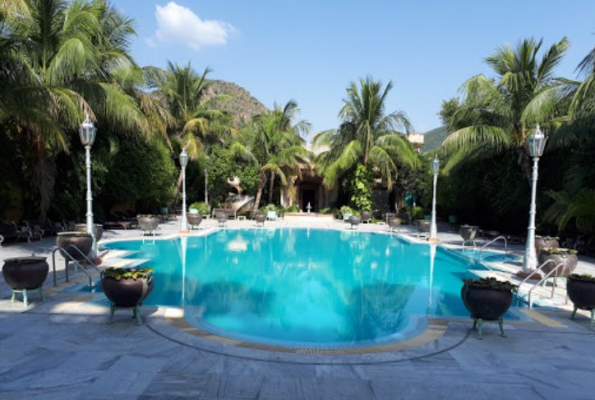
(558, 256)
(366, 216)
(260, 218)
(148, 223)
(394, 223)
(468, 233)
(545, 242)
(423, 226)
(25, 273)
(194, 220)
(81, 240)
(221, 219)
(354, 221)
(581, 291)
(486, 299)
(98, 230)
(127, 288)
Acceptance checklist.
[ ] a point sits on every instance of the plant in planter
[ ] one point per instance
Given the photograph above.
(545, 242)
(25, 273)
(394, 223)
(487, 299)
(127, 288)
(581, 291)
(97, 227)
(346, 212)
(566, 257)
(201, 207)
(83, 241)
(148, 223)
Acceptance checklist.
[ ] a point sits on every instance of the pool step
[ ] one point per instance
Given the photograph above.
(125, 262)
(118, 254)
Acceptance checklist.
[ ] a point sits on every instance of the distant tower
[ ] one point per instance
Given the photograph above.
(416, 139)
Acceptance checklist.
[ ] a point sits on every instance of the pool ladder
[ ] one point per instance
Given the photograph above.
(541, 281)
(494, 240)
(75, 261)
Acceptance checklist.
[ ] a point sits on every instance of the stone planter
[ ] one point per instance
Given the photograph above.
(25, 273)
(354, 221)
(561, 256)
(582, 294)
(394, 223)
(83, 242)
(221, 219)
(545, 242)
(366, 216)
(486, 304)
(468, 233)
(127, 293)
(194, 220)
(98, 230)
(423, 227)
(260, 218)
(148, 224)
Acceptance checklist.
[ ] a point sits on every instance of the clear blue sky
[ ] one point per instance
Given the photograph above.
(311, 50)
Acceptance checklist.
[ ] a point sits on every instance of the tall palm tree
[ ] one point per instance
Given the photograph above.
(273, 144)
(197, 126)
(498, 115)
(367, 136)
(63, 72)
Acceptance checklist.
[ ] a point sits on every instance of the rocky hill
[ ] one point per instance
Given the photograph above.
(434, 138)
(241, 104)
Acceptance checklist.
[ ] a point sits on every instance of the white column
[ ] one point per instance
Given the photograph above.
(90, 227)
(530, 258)
(433, 228)
(184, 219)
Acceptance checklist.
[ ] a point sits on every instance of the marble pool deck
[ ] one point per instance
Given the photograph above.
(64, 349)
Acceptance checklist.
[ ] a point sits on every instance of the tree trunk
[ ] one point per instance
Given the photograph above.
(271, 186)
(524, 161)
(176, 190)
(263, 181)
(206, 185)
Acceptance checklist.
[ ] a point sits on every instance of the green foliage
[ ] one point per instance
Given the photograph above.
(490, 283)
(293, 208)
(346, 210)
(249, 177)
(559, 250)
(417, 212)
(326, 210)
(363, 185)
(74, 234)
(269, 207)
(201, 206)
(126, 273)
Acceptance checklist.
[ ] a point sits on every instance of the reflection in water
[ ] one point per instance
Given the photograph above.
(304, 285)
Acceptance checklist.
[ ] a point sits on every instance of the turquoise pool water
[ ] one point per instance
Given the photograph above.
(305, 286)
(486, 256)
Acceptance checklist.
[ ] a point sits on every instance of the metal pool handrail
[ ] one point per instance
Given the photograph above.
(68, 256)
(555, 269)
(493, 240)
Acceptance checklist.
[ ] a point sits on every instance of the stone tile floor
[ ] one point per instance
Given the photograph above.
(63, 349)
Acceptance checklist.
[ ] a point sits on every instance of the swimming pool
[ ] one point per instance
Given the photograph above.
(305, 286)
(486, 255)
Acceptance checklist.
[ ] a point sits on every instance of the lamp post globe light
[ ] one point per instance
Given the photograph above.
(433, 229)
(536, 144)
(184, 163)
(87, 132)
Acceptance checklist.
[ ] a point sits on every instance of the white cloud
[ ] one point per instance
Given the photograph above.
(177, 24)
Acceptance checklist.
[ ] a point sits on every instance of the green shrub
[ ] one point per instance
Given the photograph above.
(201, 206)
(126, 273)
(326, 210)
(293, 208)
(417, 213)
(346, 210)
(490, 283)
(269, 207)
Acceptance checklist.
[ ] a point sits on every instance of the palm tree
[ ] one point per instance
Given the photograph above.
(63, 71)
(197, 126)
(274, 144)
(497, 115)
(367, 137)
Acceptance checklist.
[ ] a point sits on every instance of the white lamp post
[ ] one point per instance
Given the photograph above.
(433, 229)
(87, 133)
(536, 144)
(184, 163)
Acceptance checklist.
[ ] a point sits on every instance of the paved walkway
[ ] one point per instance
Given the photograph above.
(63, 349)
